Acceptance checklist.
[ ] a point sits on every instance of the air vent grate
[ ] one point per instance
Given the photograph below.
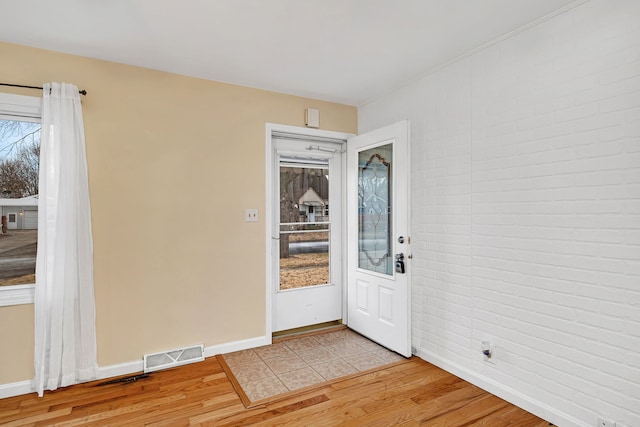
(173, 358)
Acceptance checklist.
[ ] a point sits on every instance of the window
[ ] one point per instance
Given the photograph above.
(19, 164)
(305, 239)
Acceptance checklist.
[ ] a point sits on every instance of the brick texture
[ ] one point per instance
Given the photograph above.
(525, 207)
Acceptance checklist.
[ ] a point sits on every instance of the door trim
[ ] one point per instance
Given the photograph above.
(270, 128)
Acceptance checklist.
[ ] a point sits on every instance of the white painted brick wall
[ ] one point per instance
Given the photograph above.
(526, 211)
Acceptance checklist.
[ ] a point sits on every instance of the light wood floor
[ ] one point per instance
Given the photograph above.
(414, 393)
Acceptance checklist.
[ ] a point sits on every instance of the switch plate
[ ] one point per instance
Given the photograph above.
(251, 215)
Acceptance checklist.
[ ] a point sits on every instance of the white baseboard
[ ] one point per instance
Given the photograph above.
(26, 387)
(515, 397)
(236, 346)
(16, 389)
(120, 369)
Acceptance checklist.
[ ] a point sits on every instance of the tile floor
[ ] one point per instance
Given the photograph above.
(296, 363)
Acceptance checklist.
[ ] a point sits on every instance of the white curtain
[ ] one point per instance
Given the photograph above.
(65, 338)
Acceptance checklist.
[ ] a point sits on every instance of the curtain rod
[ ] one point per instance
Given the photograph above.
(81, 92)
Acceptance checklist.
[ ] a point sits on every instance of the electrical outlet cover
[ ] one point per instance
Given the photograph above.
(605, 422)
(251, 215)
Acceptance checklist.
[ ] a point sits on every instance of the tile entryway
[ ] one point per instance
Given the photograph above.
(298, 363)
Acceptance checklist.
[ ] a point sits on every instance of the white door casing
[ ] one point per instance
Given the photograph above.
(378, 302)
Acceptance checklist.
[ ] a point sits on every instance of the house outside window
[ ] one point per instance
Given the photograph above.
(20, 124)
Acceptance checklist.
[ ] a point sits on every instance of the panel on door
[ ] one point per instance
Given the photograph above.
(378, 290)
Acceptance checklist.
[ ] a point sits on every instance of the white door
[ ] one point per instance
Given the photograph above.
(378, 293)
(12, 220)
(306, 246)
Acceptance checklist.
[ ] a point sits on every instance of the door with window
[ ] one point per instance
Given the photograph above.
(378, 292)
(307, 235)
(12, 221)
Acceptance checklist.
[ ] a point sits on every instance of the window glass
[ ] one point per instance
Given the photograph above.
(374, 209)
(304, 230)
(19, 164)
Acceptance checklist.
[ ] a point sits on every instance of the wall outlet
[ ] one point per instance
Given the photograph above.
(488, 351)
(251, 215)
(605, 422)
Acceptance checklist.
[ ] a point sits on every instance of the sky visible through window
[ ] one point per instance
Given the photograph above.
(15, 135)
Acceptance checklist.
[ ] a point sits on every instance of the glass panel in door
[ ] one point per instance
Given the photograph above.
(374, 209)
(304, 225)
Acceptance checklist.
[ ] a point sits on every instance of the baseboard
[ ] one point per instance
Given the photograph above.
(127, 368)
(16, 389)
(515, 397)
(236, 346)
(120, 369)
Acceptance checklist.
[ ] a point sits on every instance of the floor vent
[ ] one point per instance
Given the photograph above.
(173, 358)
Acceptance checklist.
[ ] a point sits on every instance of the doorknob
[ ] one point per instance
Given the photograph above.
(401, 239)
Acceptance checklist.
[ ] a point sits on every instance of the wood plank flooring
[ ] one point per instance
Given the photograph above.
(409, 394)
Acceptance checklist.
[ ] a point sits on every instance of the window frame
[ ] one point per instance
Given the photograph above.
(27, 109)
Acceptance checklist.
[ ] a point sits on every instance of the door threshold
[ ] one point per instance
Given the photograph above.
(311, 329)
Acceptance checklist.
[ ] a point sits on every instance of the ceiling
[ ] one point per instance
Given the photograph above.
(348, 51)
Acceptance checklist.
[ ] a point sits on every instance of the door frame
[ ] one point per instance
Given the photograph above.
(270, 233)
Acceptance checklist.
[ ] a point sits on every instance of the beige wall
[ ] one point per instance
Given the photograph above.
(173, 163)
(16, 342)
